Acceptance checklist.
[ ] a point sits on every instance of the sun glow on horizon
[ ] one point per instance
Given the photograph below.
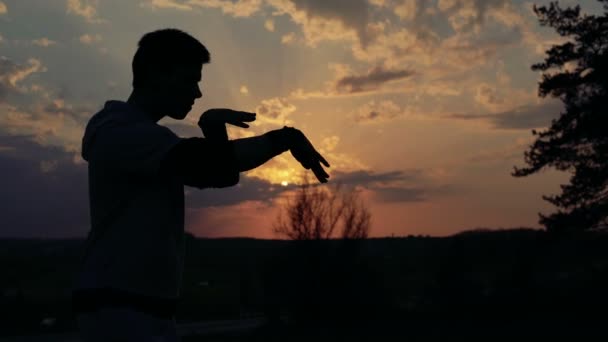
(283, 172)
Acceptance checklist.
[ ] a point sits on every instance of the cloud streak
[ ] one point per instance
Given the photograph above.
(238, 8)
(523, 117)
(392, 186)
(376, 80)
(371, 80)
(168, 4)
(44, 42)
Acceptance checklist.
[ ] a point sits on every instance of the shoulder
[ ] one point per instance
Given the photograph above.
(119, 126)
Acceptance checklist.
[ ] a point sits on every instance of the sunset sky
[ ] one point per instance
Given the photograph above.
(425, 106)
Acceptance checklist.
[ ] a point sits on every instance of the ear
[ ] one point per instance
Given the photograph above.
(163, 78)
(171, 76)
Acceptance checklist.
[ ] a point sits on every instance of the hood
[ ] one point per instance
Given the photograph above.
(114, 113)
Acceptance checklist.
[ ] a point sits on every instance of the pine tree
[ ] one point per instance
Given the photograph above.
(576, 72)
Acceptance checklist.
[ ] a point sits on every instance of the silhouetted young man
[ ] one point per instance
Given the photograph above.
(129, 283)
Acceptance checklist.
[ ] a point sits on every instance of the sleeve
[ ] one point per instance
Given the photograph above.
(138, 149)
(204, 163)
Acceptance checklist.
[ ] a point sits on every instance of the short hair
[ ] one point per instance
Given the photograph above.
(164, 49)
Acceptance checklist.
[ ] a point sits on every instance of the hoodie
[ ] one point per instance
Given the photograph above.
(135, 242)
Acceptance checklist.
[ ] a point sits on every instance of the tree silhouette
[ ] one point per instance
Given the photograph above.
(325, 279)
(321, 213)
(576, 72)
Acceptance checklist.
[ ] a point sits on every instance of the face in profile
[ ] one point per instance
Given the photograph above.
(181, 90)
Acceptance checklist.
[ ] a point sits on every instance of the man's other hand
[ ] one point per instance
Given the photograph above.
(226, 116)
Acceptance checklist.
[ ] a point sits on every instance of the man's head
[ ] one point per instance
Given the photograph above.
(167, 67)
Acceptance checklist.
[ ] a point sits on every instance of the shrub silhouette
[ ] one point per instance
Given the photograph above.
(327, 283)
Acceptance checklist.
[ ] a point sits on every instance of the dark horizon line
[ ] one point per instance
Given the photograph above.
(461, 232)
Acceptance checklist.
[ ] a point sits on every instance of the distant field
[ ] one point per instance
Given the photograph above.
(499, 275)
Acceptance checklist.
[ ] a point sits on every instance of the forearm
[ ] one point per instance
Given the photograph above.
(255, 151)
(202, 163)
(215, 131)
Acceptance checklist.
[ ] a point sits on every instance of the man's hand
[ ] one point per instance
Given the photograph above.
(226, 116)
(213, 121)
(303, 151)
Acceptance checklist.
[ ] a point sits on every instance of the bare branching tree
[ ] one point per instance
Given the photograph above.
(321, 213)
(326, 278)
(356, 219)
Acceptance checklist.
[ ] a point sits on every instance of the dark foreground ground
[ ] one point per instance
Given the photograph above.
(480, 285)
(431, 330)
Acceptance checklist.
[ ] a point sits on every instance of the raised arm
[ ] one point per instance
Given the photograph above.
(255, 151)
(204, 163)
(216, 161)
(250, 152)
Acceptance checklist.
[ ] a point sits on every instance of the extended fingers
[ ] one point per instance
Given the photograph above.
(238, 118)
(322, 160)
(321, 175)
(238, 123)
(244, 116)
(318, 170)
(309, 157)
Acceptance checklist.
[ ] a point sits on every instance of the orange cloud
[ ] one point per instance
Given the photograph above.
(12, 74)
(288, 38)
(172, 4)
(238, 8)
(88, 39)
(269, 25)
(382, 111)
(44, 42)
(84, 8)
(274, 111)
